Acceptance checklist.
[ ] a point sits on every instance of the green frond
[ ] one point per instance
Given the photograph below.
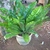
(22, 20)
(29, 9)
(3, 10)
(29, 25)
(10, 35)
(26, 37)
(32, 31)
(34, 13)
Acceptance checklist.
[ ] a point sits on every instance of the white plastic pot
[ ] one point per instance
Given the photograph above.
(21, 41)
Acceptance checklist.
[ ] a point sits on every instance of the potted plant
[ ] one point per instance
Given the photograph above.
(20, 20)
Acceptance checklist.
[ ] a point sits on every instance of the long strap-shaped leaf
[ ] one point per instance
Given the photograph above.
(8, 19)
(32, 31)
(3, 10)
(40, 15)
(29, 9)
(9, 26)
(5, 17)
(26, 37)
(34, 13)
(37, 12)
(11, 13)
(10, 35)
(29, 25)
(13, 31)
(19, 7)
(14, 21)
(39, 18)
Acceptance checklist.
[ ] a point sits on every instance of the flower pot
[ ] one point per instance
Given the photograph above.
(21, 41)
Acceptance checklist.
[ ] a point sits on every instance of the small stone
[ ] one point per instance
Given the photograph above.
(36, 35)
(49, 32)
(42, 43)
(47, 49)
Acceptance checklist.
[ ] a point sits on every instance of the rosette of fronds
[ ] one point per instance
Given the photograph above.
(21, 19)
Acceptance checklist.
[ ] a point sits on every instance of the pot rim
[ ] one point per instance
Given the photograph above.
(21, 36)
